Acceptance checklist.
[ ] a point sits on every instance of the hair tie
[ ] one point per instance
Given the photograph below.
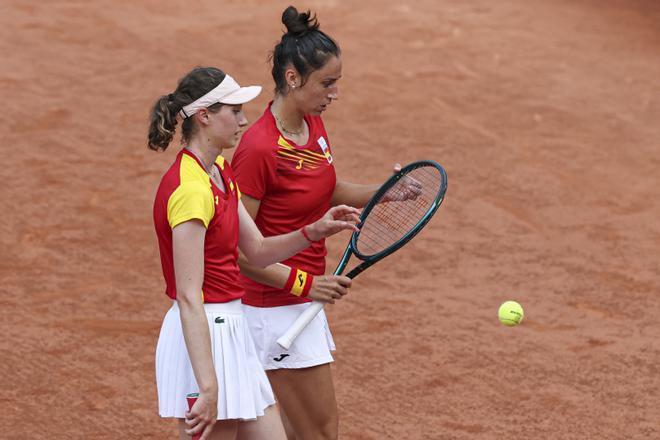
(170, 97)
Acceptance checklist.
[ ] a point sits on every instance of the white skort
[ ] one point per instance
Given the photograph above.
(311, 348)
(244, 390)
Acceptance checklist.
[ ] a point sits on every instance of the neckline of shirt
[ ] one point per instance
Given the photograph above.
(217, 166)
(310, 138)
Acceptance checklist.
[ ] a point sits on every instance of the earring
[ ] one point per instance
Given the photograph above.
(293, 86)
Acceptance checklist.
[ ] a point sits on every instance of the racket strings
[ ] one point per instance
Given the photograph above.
(399, 210)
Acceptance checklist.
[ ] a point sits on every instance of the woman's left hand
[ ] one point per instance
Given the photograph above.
(407, 189)
(338, 218)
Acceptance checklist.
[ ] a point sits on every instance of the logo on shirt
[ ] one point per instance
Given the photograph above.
(326, 151)
(282, 356)
(303, 159)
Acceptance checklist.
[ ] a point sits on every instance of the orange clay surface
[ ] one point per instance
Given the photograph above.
(546, 115)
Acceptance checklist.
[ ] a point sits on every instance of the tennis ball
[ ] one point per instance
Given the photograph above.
(510, 313)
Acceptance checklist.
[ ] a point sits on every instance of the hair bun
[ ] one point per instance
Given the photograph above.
(298, 24)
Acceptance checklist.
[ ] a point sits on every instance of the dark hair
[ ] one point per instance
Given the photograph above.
(197, 83)
(303, 45)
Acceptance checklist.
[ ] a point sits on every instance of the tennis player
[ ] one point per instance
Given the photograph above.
(285, 167)
(205, 345)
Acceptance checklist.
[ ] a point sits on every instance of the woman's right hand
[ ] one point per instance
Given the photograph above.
(203, 415)
(328, 288)
(336, 219)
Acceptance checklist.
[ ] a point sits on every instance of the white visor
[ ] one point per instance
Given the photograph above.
(227, 92)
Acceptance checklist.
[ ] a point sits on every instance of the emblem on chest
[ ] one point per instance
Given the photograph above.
(326, 150)
(302, 158)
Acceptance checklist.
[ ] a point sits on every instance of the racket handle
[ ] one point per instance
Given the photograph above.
(192, 398)
(299, 324)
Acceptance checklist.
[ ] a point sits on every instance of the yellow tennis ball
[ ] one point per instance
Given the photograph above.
(510, 313)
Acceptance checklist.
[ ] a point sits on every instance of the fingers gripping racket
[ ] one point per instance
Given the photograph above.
(402, 206)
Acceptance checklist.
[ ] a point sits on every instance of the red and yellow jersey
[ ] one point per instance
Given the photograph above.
(186, 192)
(294, 184)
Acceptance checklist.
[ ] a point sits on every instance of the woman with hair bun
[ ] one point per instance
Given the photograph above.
(204, 345)
(284, 165)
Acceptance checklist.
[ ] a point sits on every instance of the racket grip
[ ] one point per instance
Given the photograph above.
(192, 398)
(299, 324)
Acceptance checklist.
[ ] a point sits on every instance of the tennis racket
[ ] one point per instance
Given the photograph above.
(402, 206)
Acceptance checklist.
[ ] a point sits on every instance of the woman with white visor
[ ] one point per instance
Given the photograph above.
(204, 345)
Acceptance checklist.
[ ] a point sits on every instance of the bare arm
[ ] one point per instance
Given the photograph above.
(355, 194)
(352, 194)
(264, 251)
(326, 288)
(188, 252)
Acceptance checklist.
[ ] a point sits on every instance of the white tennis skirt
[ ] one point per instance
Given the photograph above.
(244, 390)
(313, 346)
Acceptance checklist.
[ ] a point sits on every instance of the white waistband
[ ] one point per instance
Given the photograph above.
(234, 307)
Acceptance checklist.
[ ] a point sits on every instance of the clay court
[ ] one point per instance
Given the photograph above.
(546, 115)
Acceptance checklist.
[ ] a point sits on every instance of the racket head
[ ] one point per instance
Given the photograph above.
(393, 216)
